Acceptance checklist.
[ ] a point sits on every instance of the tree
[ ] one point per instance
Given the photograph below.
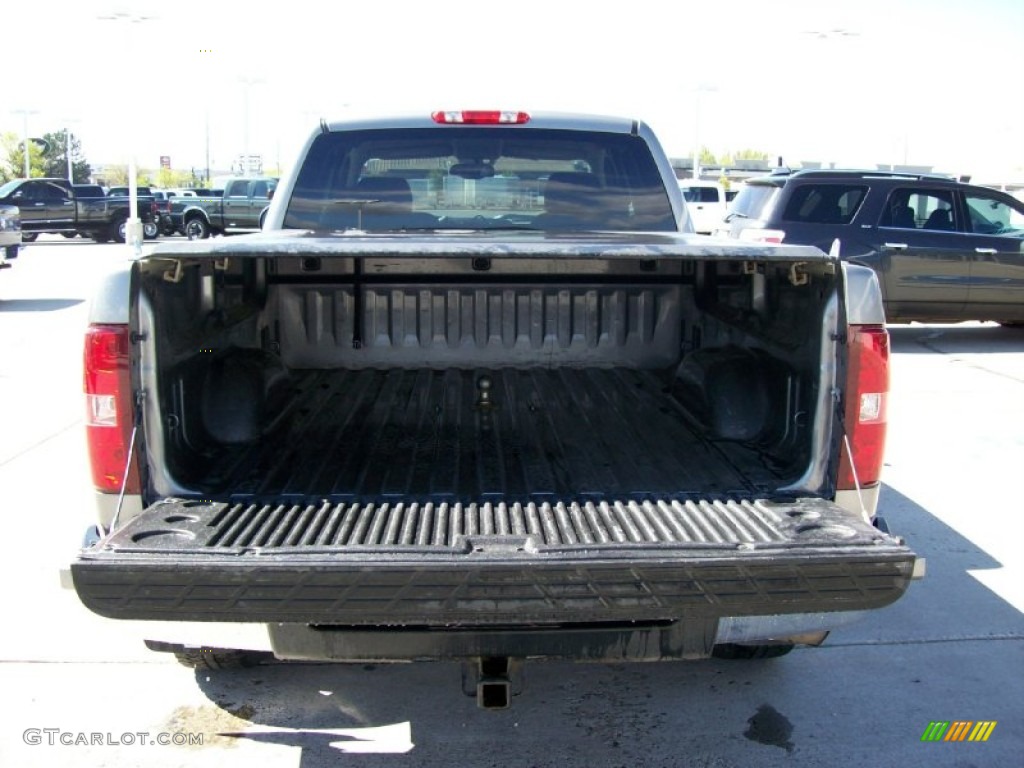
(12, 161)
(751, 154)
(55, 158)
(117, 176)
(168, 178)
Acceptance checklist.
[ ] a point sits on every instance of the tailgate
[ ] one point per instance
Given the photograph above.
(445, 563)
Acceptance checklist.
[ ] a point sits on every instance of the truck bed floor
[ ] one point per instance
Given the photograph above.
(432, 435)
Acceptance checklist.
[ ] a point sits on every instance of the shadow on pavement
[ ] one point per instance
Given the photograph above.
(37, 305)
(910, 658)
(955, 339)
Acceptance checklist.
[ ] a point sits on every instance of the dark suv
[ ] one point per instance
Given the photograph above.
(943, 250)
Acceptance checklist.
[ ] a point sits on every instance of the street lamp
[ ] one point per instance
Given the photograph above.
(67, 147)
(700, 89)
(24, 135)
(133, 231)
(247, 82)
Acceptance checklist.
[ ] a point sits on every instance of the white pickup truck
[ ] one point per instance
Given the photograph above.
(477, 392)
(707, 202)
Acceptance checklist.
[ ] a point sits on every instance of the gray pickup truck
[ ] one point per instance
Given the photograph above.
(240, 208)
(477, 392)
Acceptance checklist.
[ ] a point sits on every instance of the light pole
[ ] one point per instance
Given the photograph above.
(700, 89)
(247, 82)
(133, 230)
(67, 146)
(24, 136)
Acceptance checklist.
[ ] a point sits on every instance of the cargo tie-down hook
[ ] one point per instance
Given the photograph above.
(483, 388)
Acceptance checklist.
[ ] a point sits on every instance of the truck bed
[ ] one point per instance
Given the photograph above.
(397, 498)
(540, 434)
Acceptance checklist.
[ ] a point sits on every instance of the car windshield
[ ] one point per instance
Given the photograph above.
(700, 194)
(8, 188)
(995, 217)
(478, 178)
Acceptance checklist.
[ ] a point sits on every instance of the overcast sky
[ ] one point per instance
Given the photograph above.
(929, 82)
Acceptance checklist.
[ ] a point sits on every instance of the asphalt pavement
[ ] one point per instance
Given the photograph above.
(80, 690)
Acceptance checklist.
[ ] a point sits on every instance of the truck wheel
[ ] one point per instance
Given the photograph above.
(69, 235)
(29, 237)
(221, 658)
(119, 230)
(734, 651)
(150, 230)
(197, 229)
(100, 237)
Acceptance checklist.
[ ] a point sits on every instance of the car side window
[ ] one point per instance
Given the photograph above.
(824, 203)
(991, 215)
(919, 208)
(51, 193)
(33, 192)
(259, 189)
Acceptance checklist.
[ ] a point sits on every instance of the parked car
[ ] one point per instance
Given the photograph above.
(707, 202)
(85, 192)
(162, 207)
(146, 198)
(10, 234)
(943, 250)
(241, 207)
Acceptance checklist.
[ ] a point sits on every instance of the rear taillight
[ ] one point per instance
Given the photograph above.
(867, 390)
(108, 398)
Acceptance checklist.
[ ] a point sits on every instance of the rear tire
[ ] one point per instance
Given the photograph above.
(29, 237)
(196, 228)
(150, 230)
(746, 652)
(119, 230)
(69, 235)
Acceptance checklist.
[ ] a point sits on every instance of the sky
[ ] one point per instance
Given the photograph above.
(922, 82)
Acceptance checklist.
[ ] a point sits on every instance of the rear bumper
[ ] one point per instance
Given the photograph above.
(265, 563)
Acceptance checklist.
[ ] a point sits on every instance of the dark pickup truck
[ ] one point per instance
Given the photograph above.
(53, 205)
(241, 208)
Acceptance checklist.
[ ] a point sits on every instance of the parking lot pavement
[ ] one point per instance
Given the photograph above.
(952, 649)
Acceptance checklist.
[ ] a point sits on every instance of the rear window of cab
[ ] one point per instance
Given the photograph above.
(486, 177)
